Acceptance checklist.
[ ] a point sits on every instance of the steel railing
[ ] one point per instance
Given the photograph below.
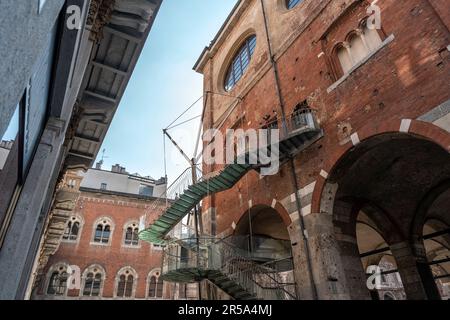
(209, 254)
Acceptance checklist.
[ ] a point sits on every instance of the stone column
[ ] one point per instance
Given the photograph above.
(416, 275)
(337, 268)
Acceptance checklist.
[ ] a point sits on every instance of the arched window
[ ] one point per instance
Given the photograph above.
(240, 63)
(126, 279)
(292, 3)
(371, 37)
(57, 283)
(155, 285)
(103, 229)
(182, 290)
(72, 229)
(132, 234)
(360, 44)
(93, 281)
(343, 54)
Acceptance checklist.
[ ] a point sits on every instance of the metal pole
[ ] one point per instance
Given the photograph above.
(196, 221)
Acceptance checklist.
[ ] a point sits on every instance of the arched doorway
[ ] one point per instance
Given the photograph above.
(262, 232)
(262, 235)
(376, 257)
(385, 180)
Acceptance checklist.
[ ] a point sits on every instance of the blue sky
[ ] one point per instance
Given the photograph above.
(163, 85)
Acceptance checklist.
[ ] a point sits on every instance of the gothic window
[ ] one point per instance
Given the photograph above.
(132, 234)
(72, 229)
(93, 282)
(182, 291)
(155, 286)
(103, 231)
(125, 283)
(360, 44)
(57, 283)
(240, 63)
(302, 116)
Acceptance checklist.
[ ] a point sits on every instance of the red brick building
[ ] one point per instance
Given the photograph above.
(373, 184)
(101, 240)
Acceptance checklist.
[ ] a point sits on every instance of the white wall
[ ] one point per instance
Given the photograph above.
(117, 182)
(3, 156)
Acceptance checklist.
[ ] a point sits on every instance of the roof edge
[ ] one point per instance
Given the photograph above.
(201, 61)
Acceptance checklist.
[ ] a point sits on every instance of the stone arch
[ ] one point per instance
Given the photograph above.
(59, 267)
(156, 273)
(428, 143)
(103, 220)
(94, 268)
(275, 211)
(133, 239)
(128, 270)
(232, 51)
(414, 128)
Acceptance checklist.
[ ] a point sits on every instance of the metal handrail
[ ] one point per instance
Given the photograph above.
(214, 254)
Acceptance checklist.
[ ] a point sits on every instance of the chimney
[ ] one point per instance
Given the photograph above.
(118, 169)
(98, 165)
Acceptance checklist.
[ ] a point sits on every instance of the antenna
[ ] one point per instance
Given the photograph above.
(102, 160)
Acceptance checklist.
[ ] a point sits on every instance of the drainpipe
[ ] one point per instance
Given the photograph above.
(291, 160)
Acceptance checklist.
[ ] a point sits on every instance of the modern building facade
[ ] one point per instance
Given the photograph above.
(360, 95)
(101, 239)
(65, 66)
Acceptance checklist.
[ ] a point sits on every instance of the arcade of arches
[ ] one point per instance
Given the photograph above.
(388, 199)
(385, 204)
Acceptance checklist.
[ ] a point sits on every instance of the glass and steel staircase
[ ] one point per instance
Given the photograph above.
(302, 130)
(188, 258)
(230, 268)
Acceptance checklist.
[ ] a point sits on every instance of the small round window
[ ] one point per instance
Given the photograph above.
(292, 3)
(240, 63)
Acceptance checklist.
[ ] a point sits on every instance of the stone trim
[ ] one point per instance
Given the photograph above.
(361, 63)
(83, 280)
(437, 113)
(135, 282)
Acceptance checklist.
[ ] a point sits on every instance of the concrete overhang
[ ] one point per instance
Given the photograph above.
(111, 64)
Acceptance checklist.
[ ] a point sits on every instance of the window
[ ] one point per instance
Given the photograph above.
(102, 231)
(93, 282)
(125, 283)
(72, 229)
(155, 286)
(271, 125)
(132, 234)
(182, 291)
(145, 190)
(158, 246)
(41, 5)
(240, 63)
(11, 160)
(292, 3)
(358, 46)
(57, 283)
(103, 186)
(71, 183)
(302, 116)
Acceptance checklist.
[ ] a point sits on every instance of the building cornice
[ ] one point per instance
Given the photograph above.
(220, 37)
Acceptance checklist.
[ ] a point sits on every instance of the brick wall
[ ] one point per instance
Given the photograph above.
(115, 255)
(405, 79)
